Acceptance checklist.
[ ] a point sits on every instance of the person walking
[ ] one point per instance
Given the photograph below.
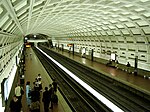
(46, 99)
(15, 105)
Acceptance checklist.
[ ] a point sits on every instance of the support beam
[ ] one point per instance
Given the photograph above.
(30, 14)
(10, 9)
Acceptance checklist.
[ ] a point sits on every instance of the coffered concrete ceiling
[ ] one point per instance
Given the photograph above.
(64, 18)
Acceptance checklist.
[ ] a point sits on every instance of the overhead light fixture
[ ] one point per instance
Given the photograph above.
(26, 38)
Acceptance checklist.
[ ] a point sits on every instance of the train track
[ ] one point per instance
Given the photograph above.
(77, 97)
(124, 99)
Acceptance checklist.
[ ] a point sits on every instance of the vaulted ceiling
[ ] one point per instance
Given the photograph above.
(64, 18)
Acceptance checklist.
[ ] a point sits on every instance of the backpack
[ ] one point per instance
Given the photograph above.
(54, 98)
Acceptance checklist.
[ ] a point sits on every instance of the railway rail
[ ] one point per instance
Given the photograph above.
(119, 96)
(77, 97)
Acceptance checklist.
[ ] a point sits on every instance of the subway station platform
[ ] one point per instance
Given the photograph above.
(32, 68)
(138, 82)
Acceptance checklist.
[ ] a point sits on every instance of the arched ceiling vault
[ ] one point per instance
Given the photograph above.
(65, 18)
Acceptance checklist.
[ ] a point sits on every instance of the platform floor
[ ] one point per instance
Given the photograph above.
(32, 68)
(135, 81)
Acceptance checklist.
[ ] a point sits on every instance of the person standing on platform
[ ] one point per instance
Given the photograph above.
(28, 93)
(51, 91)
(15, 105)
(39, 80)
(18, 92)
(46, 99)
(128, 67)
(40, 84)
(35, 95)
(55, 85)
(54, 99)
(39, 76)
(36, 84)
